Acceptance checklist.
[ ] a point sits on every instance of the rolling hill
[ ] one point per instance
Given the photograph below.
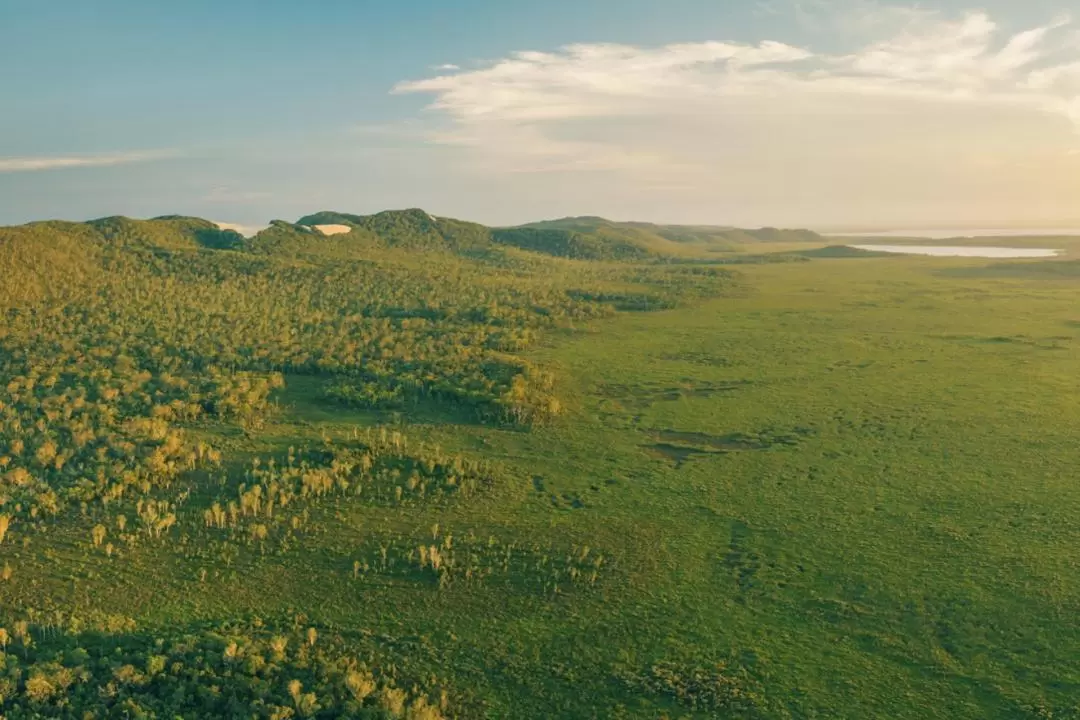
(661, 237)
(338, 234)
(582, 238)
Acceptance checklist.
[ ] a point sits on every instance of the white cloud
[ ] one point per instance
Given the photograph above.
(941, 95)
(54, 162)
(447, 66)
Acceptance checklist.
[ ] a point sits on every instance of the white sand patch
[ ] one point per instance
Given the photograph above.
(333, 229)
(947, 251)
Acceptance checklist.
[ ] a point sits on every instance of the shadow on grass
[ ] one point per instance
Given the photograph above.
(304, 400)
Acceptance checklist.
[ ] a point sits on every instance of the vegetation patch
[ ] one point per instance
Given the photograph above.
(248, 670)
(717, 689)
(444, 560)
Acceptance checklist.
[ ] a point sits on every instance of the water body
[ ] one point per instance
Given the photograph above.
(945, 233)
(972, 251)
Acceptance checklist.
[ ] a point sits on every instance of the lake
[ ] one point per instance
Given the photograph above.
(952, 251)
(945, 233)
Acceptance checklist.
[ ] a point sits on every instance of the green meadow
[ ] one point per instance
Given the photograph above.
(839, 487)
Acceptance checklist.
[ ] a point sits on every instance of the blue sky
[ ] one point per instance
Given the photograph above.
(788, 112)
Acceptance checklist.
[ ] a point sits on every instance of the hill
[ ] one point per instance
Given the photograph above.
(56, 256)
(415, 229)
(412, 229)
(579, 238)
(660, 237)
(169, 232)
(572, 244)
(345, 235)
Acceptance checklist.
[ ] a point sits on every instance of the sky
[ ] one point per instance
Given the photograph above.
(828, 114)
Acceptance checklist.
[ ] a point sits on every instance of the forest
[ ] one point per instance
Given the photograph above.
(133, 354)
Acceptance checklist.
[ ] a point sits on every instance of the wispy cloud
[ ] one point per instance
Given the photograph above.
(447, 66)
(59, 162)
(533, 105)
(918, 108)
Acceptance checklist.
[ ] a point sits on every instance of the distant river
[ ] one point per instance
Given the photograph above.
(971, 251)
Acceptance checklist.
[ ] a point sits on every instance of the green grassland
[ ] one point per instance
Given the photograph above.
(515, 484)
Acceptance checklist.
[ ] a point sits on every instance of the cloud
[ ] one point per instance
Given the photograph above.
(937, 96)
(447, 66)
(54, 162)
(514, 104)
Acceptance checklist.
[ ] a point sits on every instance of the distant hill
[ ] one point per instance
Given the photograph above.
(417, 230)
(412, 229)
(71, 247)
(55, 255)
(285, 238)
(573, 244)
(657, 237)
(582, 238)
(169, 232)
(51, 257)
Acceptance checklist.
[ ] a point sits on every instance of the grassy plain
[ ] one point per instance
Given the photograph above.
(852, 483)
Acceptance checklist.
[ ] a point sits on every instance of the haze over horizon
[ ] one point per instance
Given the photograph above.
(810, 113)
